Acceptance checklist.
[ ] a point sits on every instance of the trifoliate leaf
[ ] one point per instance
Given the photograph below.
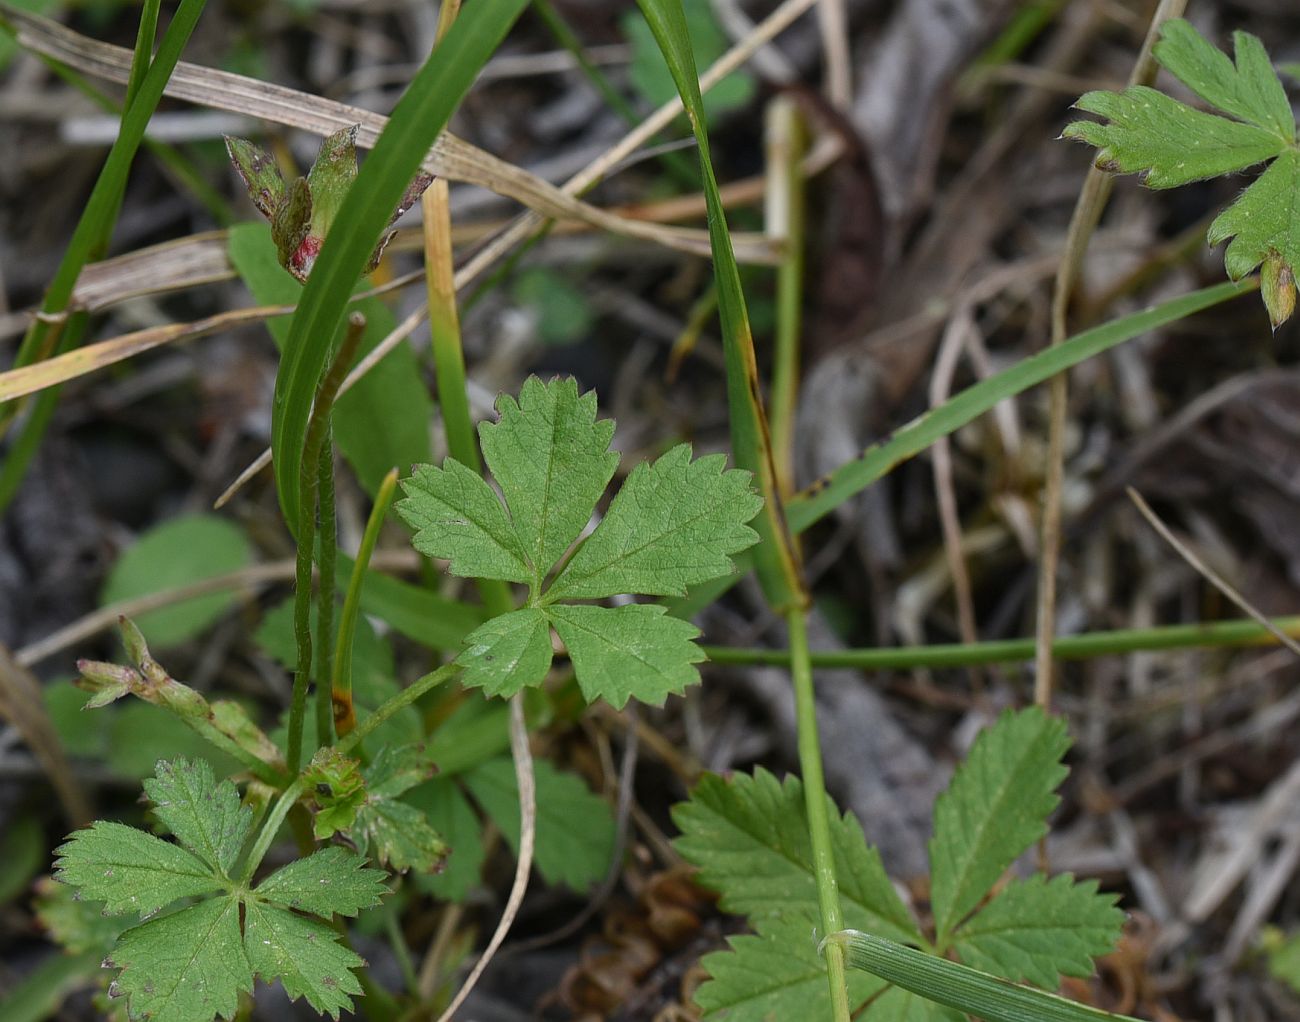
(632, 651)
(1175, 144)
(507, 653)
(329, 882)
(673, 524)
(995, 808)
(575, 828)
(551, 458)
(1038, 930)
(749, 838)
(129, 870)
(458, 518)
(775, 974)
(396, 833)
(304, 955)
(450, 814)
(188, 966)
(206, 816)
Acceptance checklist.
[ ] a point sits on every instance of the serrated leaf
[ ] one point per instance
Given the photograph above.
(749, 838)
(674, 523)
(507, 653)
(995, 808)
(775, 974)
(450, 814)
(575, 828)
(188, 966)
(457, 517)
(328, 882)
(304, 955)
(1039, 930)
(399, 836)
(634, 651)
(551, 458)
(1168, 140)
(205, 815)
(129, 870)
(1175, 144)
(1249, 91)
(338, 788)
(1265, 219)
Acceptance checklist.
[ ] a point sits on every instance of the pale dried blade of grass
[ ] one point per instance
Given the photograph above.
(449, 157)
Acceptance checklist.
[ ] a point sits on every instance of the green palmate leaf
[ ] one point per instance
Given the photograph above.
(206, 816)
(458, 518)
(450, 814)
(129, 870)
(189, 966)
(397, 833)
(331, 881)
(508, 653)
(575, 828)
(1174, 144)
(674, 523)
(634, 650)
(995, 808)
(775, 974)
(551, 458)
(749, 838)
(1039, 929)
(304, 954)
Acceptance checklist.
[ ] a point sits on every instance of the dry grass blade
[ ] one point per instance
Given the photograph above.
(80, 361)
(450, 157)
(1208, 573)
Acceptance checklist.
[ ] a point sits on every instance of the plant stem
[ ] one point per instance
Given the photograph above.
(317, 432)
(815, 801)
(344, 712)
(1087, 212)
(1074, 647)
(328, 551)
(394, 705)
(271, 827)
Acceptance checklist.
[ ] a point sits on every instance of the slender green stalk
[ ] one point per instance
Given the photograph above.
(271, 827)
(317, 431)
(1004, 651)
(344, 712)
(394, 705)
(815, 800)
(326, 557)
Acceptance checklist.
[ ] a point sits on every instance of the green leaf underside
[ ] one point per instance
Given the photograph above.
(575, 828)
(189, 966)
(636, 650)
(1039, 929)
(129, 870)
(332, 880)
(206, 816)
(1171, 142)
(749, 838)
(775, 974)
(449, 812)
(674, 523)
(458, 518)
(551, 458)
(994, 809)
(304, 954)
(399, 835)
(1175, 144)
(508, 653)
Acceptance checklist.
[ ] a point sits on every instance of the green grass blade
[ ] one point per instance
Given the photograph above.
(419, 117)
(775, 555)
(961, 987)
(878, 460)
